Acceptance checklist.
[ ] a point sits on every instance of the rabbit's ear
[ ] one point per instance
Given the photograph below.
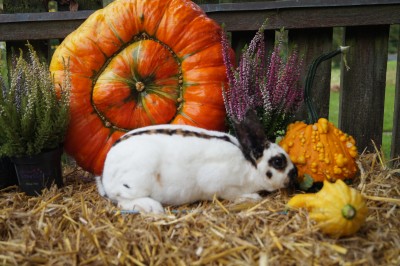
(251, 136)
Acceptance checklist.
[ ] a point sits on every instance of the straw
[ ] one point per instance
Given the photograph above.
(74, 225)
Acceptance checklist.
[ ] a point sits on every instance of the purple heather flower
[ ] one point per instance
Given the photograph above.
(269, 84)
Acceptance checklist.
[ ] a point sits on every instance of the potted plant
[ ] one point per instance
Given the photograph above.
(8, 176)
(268, 84)
(34, 115)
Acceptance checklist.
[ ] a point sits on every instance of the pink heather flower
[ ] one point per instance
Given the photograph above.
(269, 85)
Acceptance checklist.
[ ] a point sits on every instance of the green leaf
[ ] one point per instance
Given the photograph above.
(32, 118)
(306, 183)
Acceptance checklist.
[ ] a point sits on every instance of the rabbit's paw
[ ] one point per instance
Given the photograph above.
(143, 205)
(248, 197)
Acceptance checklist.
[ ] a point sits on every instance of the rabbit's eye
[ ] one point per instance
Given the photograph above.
(278, 162)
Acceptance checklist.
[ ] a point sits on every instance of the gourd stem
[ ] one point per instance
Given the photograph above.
(312, 113)
(348, 212)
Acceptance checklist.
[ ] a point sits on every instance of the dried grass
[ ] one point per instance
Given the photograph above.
(75, 226)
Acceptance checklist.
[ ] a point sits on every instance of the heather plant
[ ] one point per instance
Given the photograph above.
(33, 115)
(268, 84)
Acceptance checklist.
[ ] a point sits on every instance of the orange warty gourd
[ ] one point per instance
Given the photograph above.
(318, 148)
(137, 63)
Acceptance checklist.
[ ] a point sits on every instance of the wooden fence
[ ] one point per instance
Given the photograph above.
(310, 25)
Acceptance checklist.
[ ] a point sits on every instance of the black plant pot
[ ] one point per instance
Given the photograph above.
(8, 177)
(39, 171)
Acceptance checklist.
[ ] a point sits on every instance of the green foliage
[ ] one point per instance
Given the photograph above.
(20, 6)
(33, 6)
(33, 117)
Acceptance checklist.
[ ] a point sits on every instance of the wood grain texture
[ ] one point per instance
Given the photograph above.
(215, 6)
(363, 86)
(239, 40)
(309, 17)
(242, 38)
(395, 151)
(40, 26)
(52, 43)
(237, 18)
(312, 43)
(106, 2)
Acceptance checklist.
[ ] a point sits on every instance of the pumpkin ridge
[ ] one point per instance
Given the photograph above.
(146, 109)
(161, 18)
(98, 46)
(183, 114)
(138, 37)
(132, 67)
(77, 58)
(161, 93)
(137, 77)
(115, 77)
(112, 28)
(108, 60)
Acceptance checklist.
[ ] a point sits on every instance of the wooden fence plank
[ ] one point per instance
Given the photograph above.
(53, 43)
(3, 56)
(239, 40)
(363, 86)
(39, 26)
(308, 17)
(106, 2)
(269, 38)
(312, 43)
(395, 151)
(242, 38)
(215, 5)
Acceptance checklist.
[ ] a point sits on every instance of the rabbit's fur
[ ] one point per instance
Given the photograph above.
(178, 164)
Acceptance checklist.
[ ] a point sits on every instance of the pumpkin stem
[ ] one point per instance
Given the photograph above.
(349, 212)
(140, 86)
(312, 113)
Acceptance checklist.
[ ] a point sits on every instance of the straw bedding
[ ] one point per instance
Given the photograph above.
(75, 226)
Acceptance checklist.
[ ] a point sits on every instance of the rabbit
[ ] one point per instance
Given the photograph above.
(178, 164)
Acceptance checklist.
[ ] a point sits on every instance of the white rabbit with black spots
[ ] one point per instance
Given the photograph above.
(178, 164)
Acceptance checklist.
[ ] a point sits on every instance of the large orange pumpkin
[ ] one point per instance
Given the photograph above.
(137, 63)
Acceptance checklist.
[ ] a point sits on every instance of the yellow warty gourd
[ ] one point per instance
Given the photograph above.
(338, 209)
